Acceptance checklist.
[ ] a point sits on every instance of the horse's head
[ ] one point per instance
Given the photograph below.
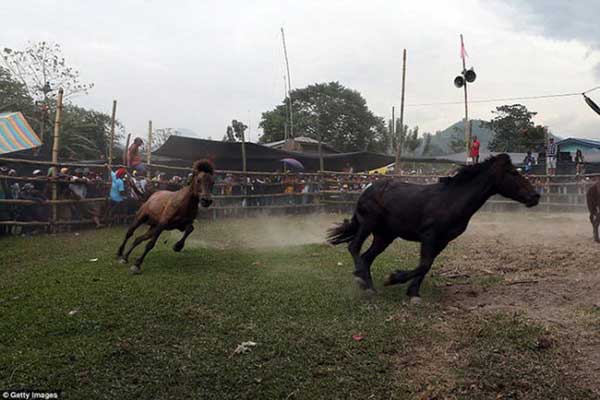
(203, 181)
(509, 182)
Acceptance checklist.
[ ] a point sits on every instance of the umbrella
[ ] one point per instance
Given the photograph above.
(293, 163)
(592, 105)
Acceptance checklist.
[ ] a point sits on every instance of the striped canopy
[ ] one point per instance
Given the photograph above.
(16, 134)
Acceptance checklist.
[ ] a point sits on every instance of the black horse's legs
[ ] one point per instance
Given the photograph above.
(429, 251)
(137, 241)
(179, 245)
(136, 269)
(380, 243)
(129, 234)
(595, 220)
(354, 249)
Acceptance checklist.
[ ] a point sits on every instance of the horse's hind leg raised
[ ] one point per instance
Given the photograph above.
(380, 243)
(130, 231)
(354, 248)
(136, 269)
(137, 241)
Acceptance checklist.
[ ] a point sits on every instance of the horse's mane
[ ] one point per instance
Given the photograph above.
(469, 172)
(204, 166)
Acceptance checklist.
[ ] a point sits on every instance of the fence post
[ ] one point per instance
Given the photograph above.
(55, 144)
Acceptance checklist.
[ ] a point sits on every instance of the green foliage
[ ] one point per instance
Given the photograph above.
(337, 114)
(14, 95)
(85, 134)
(457, 141)
(514, 130)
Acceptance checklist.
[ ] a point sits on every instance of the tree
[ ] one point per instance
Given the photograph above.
(514, 129)
(85, 134)
(161, 135)
(235, 131)
(13, 94)
(42, 70)
(426, 144)
(457, 140)
(328, 111)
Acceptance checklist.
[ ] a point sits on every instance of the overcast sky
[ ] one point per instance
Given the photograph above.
(199, 64)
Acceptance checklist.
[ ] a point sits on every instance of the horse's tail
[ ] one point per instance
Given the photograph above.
(344, 232)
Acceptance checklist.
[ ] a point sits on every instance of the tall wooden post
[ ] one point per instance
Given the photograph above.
(393, 129)
(149, 150)
(243, 151)
(287, 66)
(55, 144)
(399, 145)
(112, 134)
(467, 124)
(321, 161)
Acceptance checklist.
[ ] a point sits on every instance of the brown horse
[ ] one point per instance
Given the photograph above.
(166, 210)
(593, 203)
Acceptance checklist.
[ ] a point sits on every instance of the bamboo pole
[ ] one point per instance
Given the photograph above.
(149, 149)
(55, 144)
(287, 66)
(112, 134)
(399, 147)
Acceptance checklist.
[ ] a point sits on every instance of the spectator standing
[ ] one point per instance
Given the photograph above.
(475, 150)
(551, 154)
(528, 162)
(134, 156)
(579, 163)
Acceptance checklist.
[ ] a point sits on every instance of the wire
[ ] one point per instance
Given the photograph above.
(504, 99)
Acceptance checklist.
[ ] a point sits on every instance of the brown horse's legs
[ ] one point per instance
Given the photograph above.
(139, 240)
(149, 246)
(380, 243)
(354, 249)
(179, 245)
(130, 231)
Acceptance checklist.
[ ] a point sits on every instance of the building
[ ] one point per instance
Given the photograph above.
(302, 144)
(571, 145)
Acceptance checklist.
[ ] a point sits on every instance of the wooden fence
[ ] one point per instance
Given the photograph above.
(239, 194)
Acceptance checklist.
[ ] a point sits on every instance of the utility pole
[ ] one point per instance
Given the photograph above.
(287, 66)
(399, 147)
(393, 130)
(467, 124)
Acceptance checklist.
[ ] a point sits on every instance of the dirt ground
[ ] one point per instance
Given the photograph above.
(544, 266)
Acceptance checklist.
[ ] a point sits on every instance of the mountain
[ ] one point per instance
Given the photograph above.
(441, 140)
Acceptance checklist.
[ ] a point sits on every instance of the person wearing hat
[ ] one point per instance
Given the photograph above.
(134, 157)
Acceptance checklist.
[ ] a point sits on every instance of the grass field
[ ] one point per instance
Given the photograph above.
(95, 331)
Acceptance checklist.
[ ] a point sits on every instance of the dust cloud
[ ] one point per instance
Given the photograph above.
(535, 228)
(263, 232)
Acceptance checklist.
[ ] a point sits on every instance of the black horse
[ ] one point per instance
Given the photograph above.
(593, 203)
(431, 214)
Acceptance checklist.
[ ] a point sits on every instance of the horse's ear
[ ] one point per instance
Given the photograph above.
(204, 166)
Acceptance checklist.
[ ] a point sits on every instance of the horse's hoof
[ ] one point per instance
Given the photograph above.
(135, 270)
(415, 300)
(122, 261)
(177, 247)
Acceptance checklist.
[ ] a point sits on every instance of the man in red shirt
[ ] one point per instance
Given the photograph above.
(475, 150)
(134, 157)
